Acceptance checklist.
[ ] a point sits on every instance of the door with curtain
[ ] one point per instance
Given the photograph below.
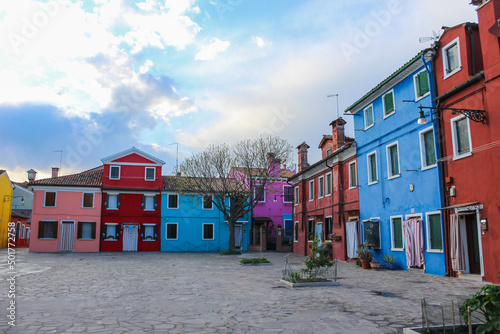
(352, 239)
(130, 238)
(238, 236)
(67, 236)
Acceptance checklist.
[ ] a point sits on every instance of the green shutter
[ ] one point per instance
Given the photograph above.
(397, 232)
(430, 150)
(436, 237)
(388, 103)
(393, 151)
(373, 169)
(422, 83)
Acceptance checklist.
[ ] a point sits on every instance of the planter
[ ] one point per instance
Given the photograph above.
(439, 329)
(390, 266)
(337, 238)
(365, 264)
(309, 284)
(375, 265)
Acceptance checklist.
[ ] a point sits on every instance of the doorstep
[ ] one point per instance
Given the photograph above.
(471, 277)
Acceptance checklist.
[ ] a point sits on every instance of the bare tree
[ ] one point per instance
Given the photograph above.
(232, 173)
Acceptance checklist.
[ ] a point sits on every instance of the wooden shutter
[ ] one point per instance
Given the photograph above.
(79, 233)
(117, 231)
(40, 229)
(143, 229)
(398, 233)
(118, 198)
(388, 102)
(143, 202)
(93, 230)
(436, 237)
(55, 225)
(156, 232)
(106, 201)
(156, 201)
(423, 83)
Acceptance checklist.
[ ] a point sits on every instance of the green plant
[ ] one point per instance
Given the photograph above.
(487, 302)
(317, 259)
(389, 259)
(254, 261)
(228, 252)
(364, 252)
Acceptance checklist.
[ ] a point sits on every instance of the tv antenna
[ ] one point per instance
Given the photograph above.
(177, 159)
(60, 159)
(434, 38)
(337, 96)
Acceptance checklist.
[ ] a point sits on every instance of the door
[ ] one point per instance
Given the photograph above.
(352, 239)
(319, 232)
(238, 236)
(130, 238)
(67, 236)
(473, 244)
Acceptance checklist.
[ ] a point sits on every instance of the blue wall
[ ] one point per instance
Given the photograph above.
(190, 217)
(392, 197)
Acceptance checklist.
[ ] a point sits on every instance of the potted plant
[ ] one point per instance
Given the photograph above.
(365, 255)
(375, 265)
(390, 261)
(335, 236)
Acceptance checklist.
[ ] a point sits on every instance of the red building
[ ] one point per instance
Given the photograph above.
(467, 75)
(131, 208)
(326, 197)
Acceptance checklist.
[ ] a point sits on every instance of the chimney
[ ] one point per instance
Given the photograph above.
(302, 150)
(338, 134)
(31, 175)
(55, 172)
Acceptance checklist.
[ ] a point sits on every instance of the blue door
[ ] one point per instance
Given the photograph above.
(319, 232)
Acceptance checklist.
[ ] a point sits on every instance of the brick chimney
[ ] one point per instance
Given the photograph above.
(338, 134)
(302, 150)
(55, 172)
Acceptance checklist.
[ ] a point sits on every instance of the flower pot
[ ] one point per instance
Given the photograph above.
(365, 264)
(337, 238)
(375, 265)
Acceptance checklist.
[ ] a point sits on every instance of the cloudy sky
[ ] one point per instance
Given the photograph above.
(93, 78)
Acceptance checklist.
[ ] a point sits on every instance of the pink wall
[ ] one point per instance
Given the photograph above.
(68, 207)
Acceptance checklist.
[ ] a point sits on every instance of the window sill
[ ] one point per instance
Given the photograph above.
(397, 249)
(48, 207)
(371, 126)
(207, 209)
(465, 155)
(171, 239)
(111, 209)
(320, 197)
(328, 195)
(423, 96)
(173, 208)
(110, 240)
(148, 240)
(389, 115)
(353, 187)
(429, 167)
(394, 177)
(47, 238)
(150, 210)
(85, 239)
(437, 251)
(372, 183)
(87, 207)
(207, 239)
(447, 75)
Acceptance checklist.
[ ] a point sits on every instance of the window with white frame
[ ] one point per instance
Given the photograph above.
(50, 199)
(173, 201)
(311, 190)
(427, 148)
(296, 232)
(287, 194)
(393, 160)
(260, 193)
(171, 231)
(112, 201)
(86, 230)
(328, 227)
(434, 232)
(461, 140)
(296, 196)
(114, 172)
(372, 167)
(111, 231)
(208, 231)
(88, 200)
(451, 58)
(328, 184)
(388, 103)
(321, 187)
(371, 232)
(207, 202)
(149, 202)
(150, 173)
(368, 114)
(397, 233)
(328, 152)
(310, 230)
(149, 232)
(353, 178)
(421, 81)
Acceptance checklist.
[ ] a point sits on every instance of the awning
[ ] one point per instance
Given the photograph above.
(471, 205)
(261, 219)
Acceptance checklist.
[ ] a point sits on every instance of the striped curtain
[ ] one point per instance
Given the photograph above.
(67, 237)
(352, 239)
(457, 252)
(414, 242)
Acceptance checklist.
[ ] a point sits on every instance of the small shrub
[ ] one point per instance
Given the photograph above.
(389, 259)
(364, 252)
(487, 302)
(228, 252)
(254, 261)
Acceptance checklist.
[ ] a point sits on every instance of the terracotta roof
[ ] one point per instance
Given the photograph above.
(22, 184)
(324, 139)
(18, 215)
(91, 178)
(185, 183)
(284, 173)
(104, 188)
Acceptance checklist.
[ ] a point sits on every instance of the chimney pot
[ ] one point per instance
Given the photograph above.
(55, 172)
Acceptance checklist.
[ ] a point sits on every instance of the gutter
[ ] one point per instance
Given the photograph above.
(472, 80)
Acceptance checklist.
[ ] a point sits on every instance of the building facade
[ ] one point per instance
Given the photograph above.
(6, 188)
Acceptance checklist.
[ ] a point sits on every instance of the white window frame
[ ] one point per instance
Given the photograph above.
(369, 166)
(145, 201)
(263, 193)
(168, 201)
(146, 173)
(203, 231)
(119, 172)
(115, 208)
(374, 219)
(364, 117)
(286, 185)
(106, 230)
(327, 237)
(295, 235)
(422, 147)
(454, 138)
(389, 174)
(392, 233)
(415, 85)
(83, 200)
(296, 195)
(328, 152)
(393, 103)
(444, 51)
(153, 225)
(203, 202)
(321, 186)
(45, 199)
(311, 190)
(177, 231)
(352, 186)
(428, 230)
(328, 185)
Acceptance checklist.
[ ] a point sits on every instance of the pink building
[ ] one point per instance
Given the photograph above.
(66, 213)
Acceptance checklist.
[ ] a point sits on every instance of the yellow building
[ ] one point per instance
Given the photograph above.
(5, 207)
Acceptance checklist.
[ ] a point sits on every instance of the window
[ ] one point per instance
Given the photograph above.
(173, 201)
(86, 230)
(171, 231)
(207, 202)
(88, 200)
(149, 203)
(427, 148)
(393, 161)
(149, 232)
(150, 174)
(47, 229)
(208, 231)
(321, 187)
(460, 137)
(434, 232)
(328, 184)
(353, 179)
(372, 168)
(328, 152)
(310, 230)
(260, 193)
(371, 231)
(111, 232)
(421, 81)
(296, 197)
(287, 230)
(369, 120)
(388, 102)
(328, 227)
(397, 233)
(296, 232)
(451, 58)
(311, 190)
(50, 199)
(112, 201)
(114, 172)
(287, 194)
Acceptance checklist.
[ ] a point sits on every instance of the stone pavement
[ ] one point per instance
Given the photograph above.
(208, 293)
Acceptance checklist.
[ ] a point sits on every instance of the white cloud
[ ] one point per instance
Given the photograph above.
(259, 41)
(145, 68)
(210, 51)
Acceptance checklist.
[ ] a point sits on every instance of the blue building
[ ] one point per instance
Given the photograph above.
(192, 223)
(400, 191)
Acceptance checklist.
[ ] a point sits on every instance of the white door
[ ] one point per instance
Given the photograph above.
(352, 239)
(130, 237)
(238, 236)
(67, 236)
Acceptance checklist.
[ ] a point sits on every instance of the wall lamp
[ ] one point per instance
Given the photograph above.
(472, 114)
(7, 198)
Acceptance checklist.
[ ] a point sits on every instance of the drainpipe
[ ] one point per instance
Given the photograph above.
(472, 49)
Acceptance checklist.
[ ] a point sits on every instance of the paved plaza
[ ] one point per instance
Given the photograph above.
(209, 293)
